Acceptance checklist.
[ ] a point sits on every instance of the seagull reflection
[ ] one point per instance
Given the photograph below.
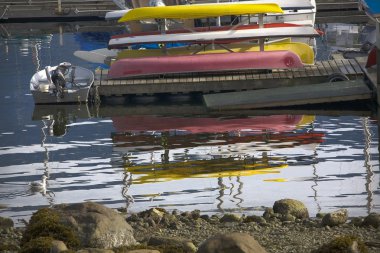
(127, 182)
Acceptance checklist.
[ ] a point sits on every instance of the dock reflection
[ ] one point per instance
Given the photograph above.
(157, 149)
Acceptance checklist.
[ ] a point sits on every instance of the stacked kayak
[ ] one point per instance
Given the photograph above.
(255, 45)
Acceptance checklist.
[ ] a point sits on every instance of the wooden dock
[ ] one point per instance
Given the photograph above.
(227, 82)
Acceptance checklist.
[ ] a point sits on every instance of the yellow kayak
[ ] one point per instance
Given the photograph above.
(304, 51)
(199, 11)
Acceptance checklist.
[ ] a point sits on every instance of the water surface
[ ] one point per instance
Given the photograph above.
(174, 155)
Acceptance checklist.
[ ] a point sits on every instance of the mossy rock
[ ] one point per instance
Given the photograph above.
(46, 223)
(6, 247)
(343, 244)
(38, 245)
(230, 217)
(291, 206)
(6, 222)
(125, 249)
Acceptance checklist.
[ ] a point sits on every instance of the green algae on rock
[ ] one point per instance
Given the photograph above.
(46, 223)
(343, 244)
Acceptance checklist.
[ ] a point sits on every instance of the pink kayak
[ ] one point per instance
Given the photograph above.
(146, 66)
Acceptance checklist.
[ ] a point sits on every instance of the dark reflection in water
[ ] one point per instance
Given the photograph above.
(175, 155)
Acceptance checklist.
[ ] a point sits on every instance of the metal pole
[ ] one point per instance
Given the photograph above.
(378, 53)
(218, 23)
(261, 25)
(59, 6)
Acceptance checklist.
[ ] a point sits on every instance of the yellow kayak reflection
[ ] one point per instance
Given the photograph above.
(214, 168)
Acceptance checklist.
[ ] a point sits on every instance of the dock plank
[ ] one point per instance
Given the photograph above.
(347, 65)
(341, 67)
(356, 66)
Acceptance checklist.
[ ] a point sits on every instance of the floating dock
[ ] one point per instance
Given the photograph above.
(210, 83)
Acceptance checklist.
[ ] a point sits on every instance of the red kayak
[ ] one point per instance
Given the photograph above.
(371, 61)
(146, 66)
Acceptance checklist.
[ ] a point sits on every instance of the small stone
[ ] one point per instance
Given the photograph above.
(356, 221)
(335, 218)
(205, 217)
(288, 217)
(254, 218)
(57, 246)
(320, 215)
(229, 217)
(268, 213)
(195, 214)
(373, 219)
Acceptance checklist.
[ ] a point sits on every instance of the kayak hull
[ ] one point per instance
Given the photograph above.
(147, 66)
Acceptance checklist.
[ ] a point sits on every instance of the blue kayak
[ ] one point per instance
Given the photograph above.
(372, 8)
(158, 45)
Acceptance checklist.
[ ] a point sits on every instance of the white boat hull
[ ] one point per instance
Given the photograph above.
(75, 91)
(77, 96)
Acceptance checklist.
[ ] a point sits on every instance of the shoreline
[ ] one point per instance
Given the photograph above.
(276, 230)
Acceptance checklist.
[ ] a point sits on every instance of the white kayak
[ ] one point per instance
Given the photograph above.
(97, 55)
(215, 36)
(115, 15)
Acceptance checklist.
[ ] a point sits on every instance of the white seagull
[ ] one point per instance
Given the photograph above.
(38, 186)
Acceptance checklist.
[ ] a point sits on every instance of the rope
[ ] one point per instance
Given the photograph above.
(5, 10)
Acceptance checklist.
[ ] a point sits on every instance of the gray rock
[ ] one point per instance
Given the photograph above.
(231, 243)
(96, 225)
(373, 219)
(57, 246)
(6, 223)
(335, 218)
(184, 244)
(292, 207)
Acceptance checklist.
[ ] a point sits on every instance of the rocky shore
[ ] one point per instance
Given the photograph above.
(287, 227)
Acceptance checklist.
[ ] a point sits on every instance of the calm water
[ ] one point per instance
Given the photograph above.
(174, 155)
